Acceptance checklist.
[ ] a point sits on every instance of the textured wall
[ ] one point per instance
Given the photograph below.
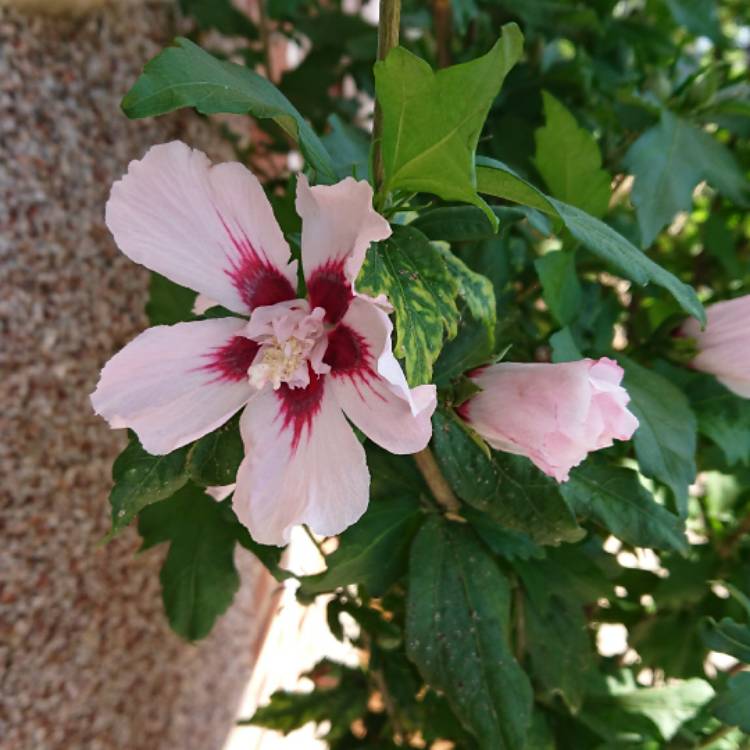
(86, 660)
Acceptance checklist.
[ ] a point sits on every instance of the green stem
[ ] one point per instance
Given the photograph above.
(716, 736)
(388, 30)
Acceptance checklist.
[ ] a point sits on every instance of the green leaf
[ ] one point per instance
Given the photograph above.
(732, 706)
(668, 161)
(269, 555)
(198, 578)
(413, 274)
(622, 709)
(472, 346)
(509, 489)
(728, 637)
(560, 285)
(373, 552)
(462, 223)
(669, 642)
(512, 545)
(392, 475)
(665, 440)
(613, 497)
(568, 159)
(349, 148)
(495, 178)
(168, 303)
(564, 347)
(475, 289)
(723, 417)
(215, 458)
(220, 15)
(558, 642)
(341, 704)
(187, 76)
(701, 17)
(141, 479)
(432, 121)
(457, 627)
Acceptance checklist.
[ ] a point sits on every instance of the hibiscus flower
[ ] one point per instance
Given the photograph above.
(299, 364)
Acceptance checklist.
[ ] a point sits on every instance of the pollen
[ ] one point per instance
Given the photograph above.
(279, 363)
(292, 341)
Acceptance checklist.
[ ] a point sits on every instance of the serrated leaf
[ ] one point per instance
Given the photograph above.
(371, 553)
(457, 626)
(560, 285)
(198, 578)
(495, 178)
(665, 440)
(187, 76)
(613, 497)
(727, 636)
(141, 479)
(432, 120)
(668, 161)
(341, 704)
(509, 489)
(476, 290)
(568, 158)
(414, 276)
(215, 458)
(732, 705)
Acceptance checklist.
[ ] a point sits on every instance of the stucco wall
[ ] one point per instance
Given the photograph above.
(86, 659)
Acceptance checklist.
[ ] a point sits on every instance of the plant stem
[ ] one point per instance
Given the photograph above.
(442, 14)
(716, 736)
(388, 30)
(437, 483)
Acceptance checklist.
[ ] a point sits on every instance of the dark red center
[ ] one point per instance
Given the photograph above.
(257, 281)
(300, 405)
(346, 352)
(328, 288)
(232, 361)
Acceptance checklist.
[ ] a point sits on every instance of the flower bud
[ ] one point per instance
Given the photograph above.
(554, 414)
(724, 344)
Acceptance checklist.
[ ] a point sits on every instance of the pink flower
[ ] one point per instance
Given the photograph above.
(724, 344)
(554, 414)
(299, 364)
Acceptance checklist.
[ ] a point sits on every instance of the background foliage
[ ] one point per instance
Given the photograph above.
(609, 196)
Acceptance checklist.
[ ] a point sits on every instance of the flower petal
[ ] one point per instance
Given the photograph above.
(210, 228)
(303, 465)
(338, 225)
(173, 384)
(723, 349)
(370, 385)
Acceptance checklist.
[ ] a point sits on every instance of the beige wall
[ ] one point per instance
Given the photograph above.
(86, 659)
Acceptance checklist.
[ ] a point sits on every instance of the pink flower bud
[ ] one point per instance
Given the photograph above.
(724, 344)
(554, 414)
